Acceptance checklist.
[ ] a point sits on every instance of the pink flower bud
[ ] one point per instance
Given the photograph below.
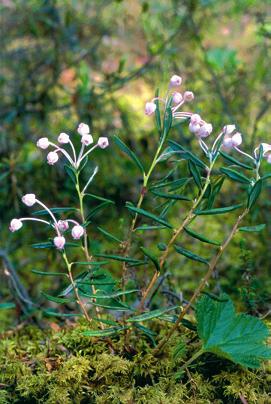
(175, 81)
(194, 127)
(177, 98)
(15, 225)
(205, 130)
(77, 232)
(236, 139)
(227, 142)
(229, 129)
(266, 147)
(83, 129)
(87, 140)
(63, 138)
(59, 242)
(103, 142)
(29, 199)
(150, 108)
(62, 225)
(195, 119)
(268, 158)
(52, 158)
(43, 143)
(188, 96)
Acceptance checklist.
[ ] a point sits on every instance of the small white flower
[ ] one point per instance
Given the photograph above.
(62, 225)
(63, 138)
(59, 242)
(103, 142)
(227, 142)
(77, 232)
(188, 96)
(29, 199)
(175, 81)
(268, 158)
(15, 225)
(195, 119)
(150, 108)
(43, 143)
(266, 147)
(236, 139)
(194, 127)
(177, 98)
(83, 129)
(87, 140)
(52, 158)
(205, 130)
(229, 129)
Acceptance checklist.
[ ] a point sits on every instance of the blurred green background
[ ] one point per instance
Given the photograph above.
(98, 62)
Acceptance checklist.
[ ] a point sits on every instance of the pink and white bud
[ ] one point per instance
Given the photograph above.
(62, 225)
(52, 158)
(29, 199)
(229, 129)
(227, 142)
(188, 96)
(63, 138)
(150, 108)
(43, 143)
(268, 158)
(175, 81)
(236, 139)
(103, 142)
(59, 242)
(194, 127)
(195, 119)
(205, 130)
(15, 225)
(77, 232)
(177, 98)
(87, 140)
(83, 129)
(266, 148)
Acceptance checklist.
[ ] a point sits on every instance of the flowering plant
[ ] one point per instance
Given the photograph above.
(95, 290)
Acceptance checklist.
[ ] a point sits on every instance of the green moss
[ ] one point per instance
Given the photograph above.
(66, 367)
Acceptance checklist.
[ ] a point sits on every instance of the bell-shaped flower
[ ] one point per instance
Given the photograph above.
(52, 158)
(87, 140)
(229, 129)
(194, 127)
(63, 138)
(150, 108)
(43, 143)
(188, 96)
(266, 148)
(195, 119)
(268, 158)
(29, 199)
(63, 225)
(83, 129)
(177, 98)
(15, 225)
(205, 130)
(236, 139)
(77, 232)
(175, 81)
(103, 142)
(59, 242)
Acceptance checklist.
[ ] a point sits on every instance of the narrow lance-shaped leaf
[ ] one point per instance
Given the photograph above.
(250, 229)
(103, 333)
(148, 215)
(190, 255)
(58, 299)
(157, 112)
(254, 193)
(150, 314)
(171, 196)
(108, 235)
(118, 258)
(200, 237)
(218, 211)
(195, 173)
(234, 161)
(235, 175)
(153, 259)
(129, 153)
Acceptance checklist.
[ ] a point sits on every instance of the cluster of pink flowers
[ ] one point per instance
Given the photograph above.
(63, 138)
(61, 226)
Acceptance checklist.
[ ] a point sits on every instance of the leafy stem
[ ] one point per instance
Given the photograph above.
(192, 359)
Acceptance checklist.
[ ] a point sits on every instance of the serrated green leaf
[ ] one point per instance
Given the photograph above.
(150, 314)
(231, 159)
(103, 333)
(250, 229)
(37, 272)
(58, 299)
(129, 153)
(200, 237)
(190, 255)
(218, 211)
(235, 175)
(148, 215)
(153, 259)
(171, 196)
(7, 306)
(240, 338)
(254, 193)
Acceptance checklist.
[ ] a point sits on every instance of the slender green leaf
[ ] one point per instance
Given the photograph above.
(58, 299)
(254, 193)
(100, 198)
(200, 237)
(190, 255)
(108, 235)
(118, 258)
(103, 333)
(186, 154)
(55, 313)
(235, 175)
(90, 263)
(96, 210)
(7, 306)
(71, 173)
(195, 173)
(148, 215)
(150, 314)
(231, 159)
(153, 259)
(129, 153)
(43, 245)
(145, 227)
(215, 189)
(157, 112)
(171, 196)
(37, 272)
(250, 229)
(54, 210)
(99, 295)
(218, 211)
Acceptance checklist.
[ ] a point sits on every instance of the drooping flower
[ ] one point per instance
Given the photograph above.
(15, 225)
(43, 143)
(77, 232)
(195, 119)
(229, 129)
(268, 158)
(83, 129)
(205, 130)
(177, 98)
(266, 148)
(188, 96)
(29, 199)
(233, 141)
(59, 242)
(87, 140)
(175, 81)
(63, 138)
(103, 142)
(150, 108)
(52, 158)
(62, 225)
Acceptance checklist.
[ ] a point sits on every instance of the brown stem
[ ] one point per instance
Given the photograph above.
(212, 266)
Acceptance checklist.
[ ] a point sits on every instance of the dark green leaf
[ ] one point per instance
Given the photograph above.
(171, 196)
(55, 313)
(35, 271)
(231, 159)
(190, 255)
(54, 210)
(215, 189)
(100, 295)
(162, 246)
(7, 305)
(200, 237)
(43, 245)
(108, 235)
(157, 112)
(96, 210)
(58, 299)
(249, 229)
(129, 153)
(195, 173)
(119, 258)
(167, 121)
(100, 198)
(235, 175)
(148, 215)
(153, 259)
(218, 211)
(71, 173)
(254, 193)
(145, 227)
(103, 333)
(186, 154)
(150, 314)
